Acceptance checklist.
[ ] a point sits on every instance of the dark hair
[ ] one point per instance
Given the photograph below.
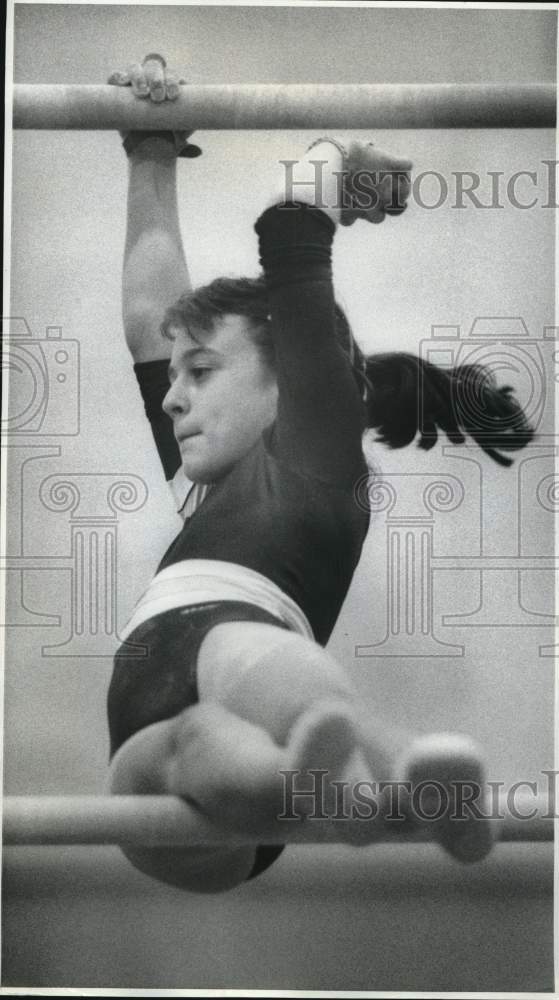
(409, 395)
(204, 306)
(404, 394)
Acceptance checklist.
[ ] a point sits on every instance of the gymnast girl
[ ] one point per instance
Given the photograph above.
(258, 398)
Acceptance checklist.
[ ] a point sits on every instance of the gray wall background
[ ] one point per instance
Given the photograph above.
(442, 267)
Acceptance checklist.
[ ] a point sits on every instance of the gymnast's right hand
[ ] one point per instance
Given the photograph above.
(152, 80)
(149, 79)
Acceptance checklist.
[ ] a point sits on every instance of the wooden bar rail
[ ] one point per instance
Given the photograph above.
(289, 106)
(152, 820)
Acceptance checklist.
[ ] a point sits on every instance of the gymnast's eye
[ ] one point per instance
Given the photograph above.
(200, 372)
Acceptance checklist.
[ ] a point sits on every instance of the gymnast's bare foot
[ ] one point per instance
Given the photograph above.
(448, 776)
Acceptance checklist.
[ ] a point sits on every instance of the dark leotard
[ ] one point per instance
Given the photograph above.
(287, 509)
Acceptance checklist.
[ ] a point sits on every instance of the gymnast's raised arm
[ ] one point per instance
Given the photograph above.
(321, 416)
(155, 271)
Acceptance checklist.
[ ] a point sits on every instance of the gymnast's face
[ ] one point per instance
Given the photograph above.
(222, 396)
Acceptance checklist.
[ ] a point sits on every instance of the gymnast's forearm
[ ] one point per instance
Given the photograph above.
(155, 271)
(320, 417)
(320, 413)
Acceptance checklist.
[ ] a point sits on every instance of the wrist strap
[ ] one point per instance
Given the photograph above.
(327, 138)
(183, 148)
(156, 56)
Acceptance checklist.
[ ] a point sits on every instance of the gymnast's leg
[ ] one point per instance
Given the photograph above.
(269, 701)
(228, 765)
(269, 677)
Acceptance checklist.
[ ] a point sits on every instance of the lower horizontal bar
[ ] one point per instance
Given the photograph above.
(163, 820)
(289, 106)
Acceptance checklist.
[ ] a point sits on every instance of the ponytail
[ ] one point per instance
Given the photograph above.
(406, 395)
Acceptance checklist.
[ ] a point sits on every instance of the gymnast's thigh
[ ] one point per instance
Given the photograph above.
(155, 669)
(155, 674)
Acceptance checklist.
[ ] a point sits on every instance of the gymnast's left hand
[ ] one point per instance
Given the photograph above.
(377, 184)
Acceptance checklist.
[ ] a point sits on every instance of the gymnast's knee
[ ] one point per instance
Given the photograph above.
(145, 763)
(142, 766)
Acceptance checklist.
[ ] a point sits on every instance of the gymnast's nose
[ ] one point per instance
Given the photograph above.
(176, 402)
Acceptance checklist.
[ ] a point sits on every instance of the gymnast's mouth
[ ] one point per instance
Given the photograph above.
(182, 438)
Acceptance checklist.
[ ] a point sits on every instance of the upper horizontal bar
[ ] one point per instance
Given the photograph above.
(164, 820)
(293, 106)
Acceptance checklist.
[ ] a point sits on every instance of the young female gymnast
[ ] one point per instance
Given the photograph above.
(263, 408)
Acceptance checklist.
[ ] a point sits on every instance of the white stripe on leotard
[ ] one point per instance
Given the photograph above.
(199, 581)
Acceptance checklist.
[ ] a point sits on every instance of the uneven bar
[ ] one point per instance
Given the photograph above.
(293, 106)
(162, 820)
